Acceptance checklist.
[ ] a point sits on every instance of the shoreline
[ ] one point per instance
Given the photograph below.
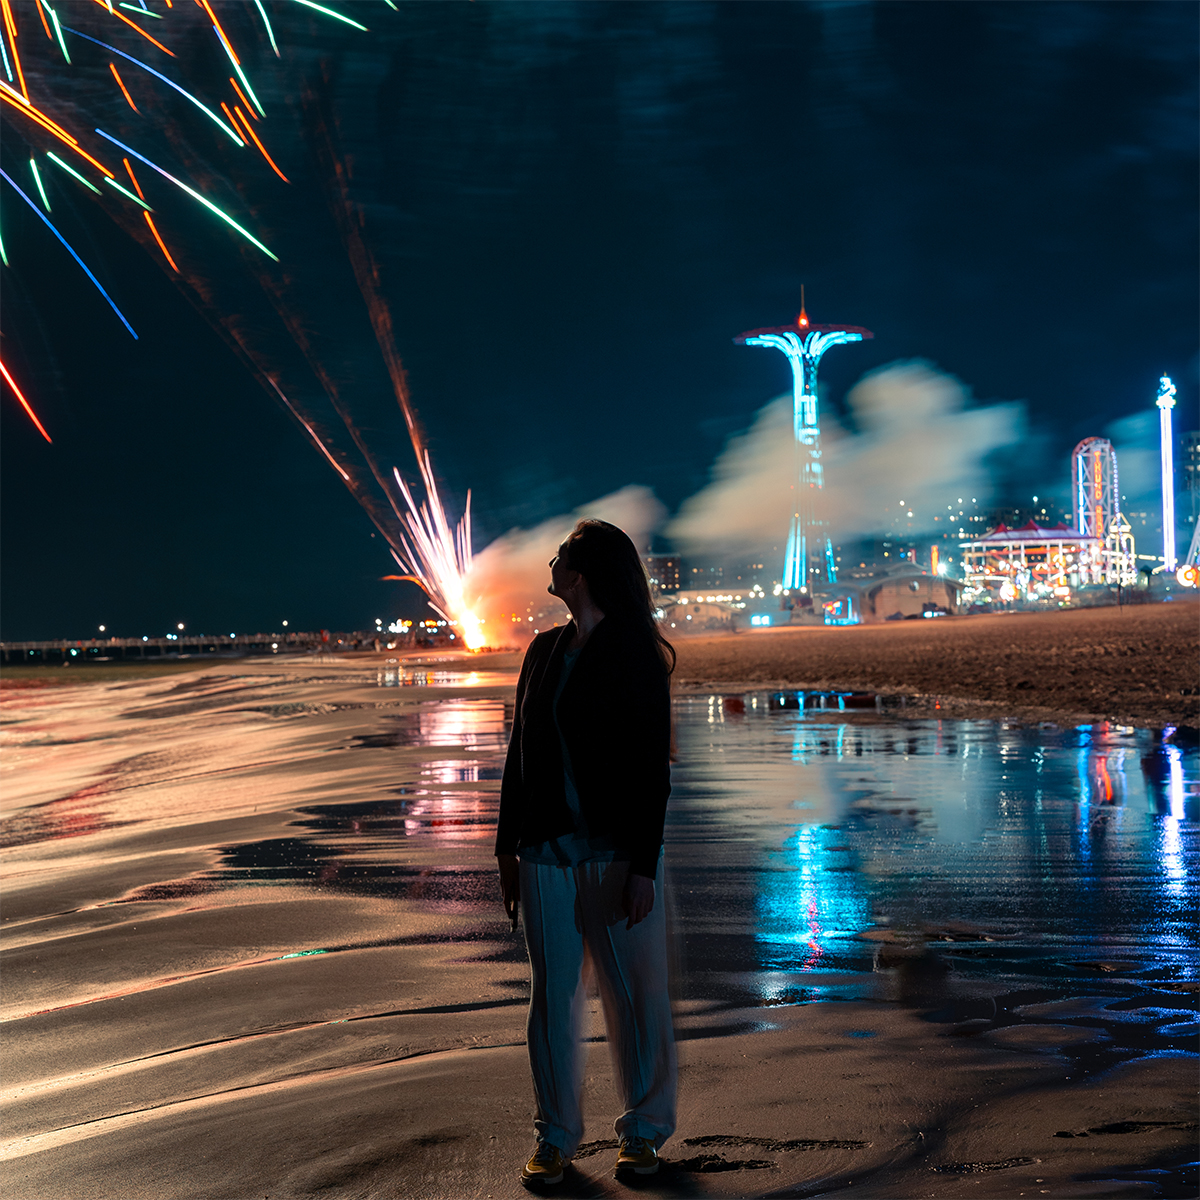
(1131, 666)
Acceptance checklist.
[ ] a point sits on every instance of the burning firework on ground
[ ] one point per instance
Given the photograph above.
(63, 95)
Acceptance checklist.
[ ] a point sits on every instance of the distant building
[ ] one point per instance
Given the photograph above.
(664, 571)
(745, 575)
(903, 595)
(700, 614)
(1191, 472)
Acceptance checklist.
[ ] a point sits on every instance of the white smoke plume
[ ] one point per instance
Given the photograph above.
(917, 441)
(513, 571)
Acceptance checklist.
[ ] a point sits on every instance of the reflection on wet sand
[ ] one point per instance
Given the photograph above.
(245, 879)
(965, 868)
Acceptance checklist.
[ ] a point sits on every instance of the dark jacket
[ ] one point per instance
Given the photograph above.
(615, 715)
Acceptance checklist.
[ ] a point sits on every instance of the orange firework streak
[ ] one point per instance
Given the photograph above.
(11, 26)
(112, 11)
(25, 403)
(137, 187)
(45, 23)
(242, 97)
(40, 118)
(262, 148)
(217, 25)
(161, 244)
(121, 85)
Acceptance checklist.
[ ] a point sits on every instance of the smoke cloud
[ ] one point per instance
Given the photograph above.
(917, 441)
(511, 572)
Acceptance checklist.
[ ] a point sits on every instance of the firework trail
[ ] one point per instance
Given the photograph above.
(50, 90)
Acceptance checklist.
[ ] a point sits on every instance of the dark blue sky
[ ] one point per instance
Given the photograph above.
(574, 208)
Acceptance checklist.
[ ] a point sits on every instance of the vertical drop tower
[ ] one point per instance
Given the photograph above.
(809, 556)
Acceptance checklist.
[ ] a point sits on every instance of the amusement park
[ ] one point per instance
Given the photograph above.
(1089, 557)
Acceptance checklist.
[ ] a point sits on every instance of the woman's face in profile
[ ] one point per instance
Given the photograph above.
(561, 576)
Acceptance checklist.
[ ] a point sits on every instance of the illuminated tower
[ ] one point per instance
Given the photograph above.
(1166, 402)
(809, 554)
(1095, 496)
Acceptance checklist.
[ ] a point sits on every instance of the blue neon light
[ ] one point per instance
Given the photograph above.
(13, 184)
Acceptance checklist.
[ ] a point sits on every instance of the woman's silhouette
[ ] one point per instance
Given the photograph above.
(580, 835)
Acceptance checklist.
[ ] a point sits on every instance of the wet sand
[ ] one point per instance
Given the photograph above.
(187, 1016)
(1135, 665)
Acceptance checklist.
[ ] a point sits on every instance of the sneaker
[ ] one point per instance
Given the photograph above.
(638, 1155)
(545, 1167)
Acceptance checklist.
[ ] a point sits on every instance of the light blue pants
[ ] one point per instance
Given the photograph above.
(570, 912)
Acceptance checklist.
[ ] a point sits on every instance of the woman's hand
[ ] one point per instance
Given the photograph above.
(638, 899)
(510, 884)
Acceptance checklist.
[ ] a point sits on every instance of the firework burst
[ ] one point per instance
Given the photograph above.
(48, 98)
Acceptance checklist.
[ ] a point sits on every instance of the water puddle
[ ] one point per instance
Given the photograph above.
(1036, 885)
(472, 723)
(971, 869)
(396, 675)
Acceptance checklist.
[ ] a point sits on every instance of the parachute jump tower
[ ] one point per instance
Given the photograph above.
(809, 556)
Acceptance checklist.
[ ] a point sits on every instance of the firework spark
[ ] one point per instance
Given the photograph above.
(433, 551)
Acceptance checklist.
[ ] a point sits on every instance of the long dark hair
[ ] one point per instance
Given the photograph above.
(616, 578)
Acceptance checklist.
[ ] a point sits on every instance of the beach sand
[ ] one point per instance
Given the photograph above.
(192, 1011)
(1135, 665)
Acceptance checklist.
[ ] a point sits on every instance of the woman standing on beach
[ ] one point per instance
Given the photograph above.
(580, 835)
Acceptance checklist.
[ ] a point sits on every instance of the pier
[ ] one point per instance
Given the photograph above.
(185, 645)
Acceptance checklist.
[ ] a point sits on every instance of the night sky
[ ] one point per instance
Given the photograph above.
(574, 208)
